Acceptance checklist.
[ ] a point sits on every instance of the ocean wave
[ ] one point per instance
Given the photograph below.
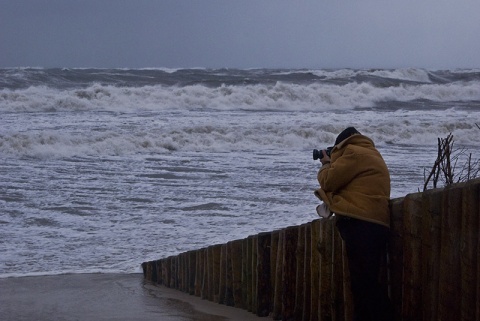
(66, 78)
(279, 96)
(407, 74)
(111, 135)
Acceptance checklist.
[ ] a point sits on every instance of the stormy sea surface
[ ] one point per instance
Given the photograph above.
(102, 169)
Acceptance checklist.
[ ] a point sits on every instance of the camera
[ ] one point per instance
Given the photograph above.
(317, 154)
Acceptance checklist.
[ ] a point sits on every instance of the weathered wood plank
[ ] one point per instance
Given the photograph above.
(469, 240)
(449, 299)
(277, 304)
(315, 271)
(289, 272)
(263, 288)
(299, 274)
(412, 251)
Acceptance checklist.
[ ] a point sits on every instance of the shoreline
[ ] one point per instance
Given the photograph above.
(105, 297)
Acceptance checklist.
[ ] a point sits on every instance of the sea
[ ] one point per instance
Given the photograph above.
(103, 169)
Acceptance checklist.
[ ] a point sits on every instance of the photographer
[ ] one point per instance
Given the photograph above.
(355, 185)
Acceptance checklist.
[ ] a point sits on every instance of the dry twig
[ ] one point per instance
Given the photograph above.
(446, 164)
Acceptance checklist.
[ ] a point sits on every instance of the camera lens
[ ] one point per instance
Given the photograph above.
(317, 154)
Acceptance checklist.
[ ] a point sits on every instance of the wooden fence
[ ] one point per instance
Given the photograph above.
(300, 273)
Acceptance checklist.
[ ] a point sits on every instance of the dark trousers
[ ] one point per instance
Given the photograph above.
(365, 245)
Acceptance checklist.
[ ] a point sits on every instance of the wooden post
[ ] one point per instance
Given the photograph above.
(168, 267)
(325, 245)
(469, 240)
(396, 255)
(203, 273)
(289, 272)
(277, 304)
(430, 261)
(199, 273)
(148, 270)
(263, 274)
(236, 255)
(273, 265)
(223, 275)
(144, 269)
(229, 298)
(208, 294)
(173, 272)
(411, 258)
(179, 268)
(244, 270)
(449, 300)
(159, 271)
(186, 272)
(192, 271)
(315, 270)
(248, 272)
(307, 281)
(340, 269)
(299, 274)
(215, 279)
(253, 268)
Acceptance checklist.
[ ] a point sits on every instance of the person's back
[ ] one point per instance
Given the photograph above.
(355, 185)
(356, 182)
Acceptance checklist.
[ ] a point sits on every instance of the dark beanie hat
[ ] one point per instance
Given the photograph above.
(345, 134)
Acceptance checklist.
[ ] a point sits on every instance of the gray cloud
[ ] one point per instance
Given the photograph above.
(240, 34)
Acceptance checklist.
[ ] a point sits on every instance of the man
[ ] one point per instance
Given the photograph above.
(355, 185)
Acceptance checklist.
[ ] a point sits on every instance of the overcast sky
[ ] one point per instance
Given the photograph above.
(433, 34)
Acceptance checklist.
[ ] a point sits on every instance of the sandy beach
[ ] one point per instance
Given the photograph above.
(105, 297)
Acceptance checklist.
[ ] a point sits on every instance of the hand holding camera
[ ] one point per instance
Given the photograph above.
(323, 155)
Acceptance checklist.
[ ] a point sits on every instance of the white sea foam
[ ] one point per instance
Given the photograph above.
(409, 74)
(93, 134)
(278, 97)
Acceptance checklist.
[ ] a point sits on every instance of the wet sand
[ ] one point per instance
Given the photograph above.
(105, 297)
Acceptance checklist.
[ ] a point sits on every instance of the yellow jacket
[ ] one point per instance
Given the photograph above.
(356, 183)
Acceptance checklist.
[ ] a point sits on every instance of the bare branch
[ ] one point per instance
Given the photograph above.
(447, 163)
